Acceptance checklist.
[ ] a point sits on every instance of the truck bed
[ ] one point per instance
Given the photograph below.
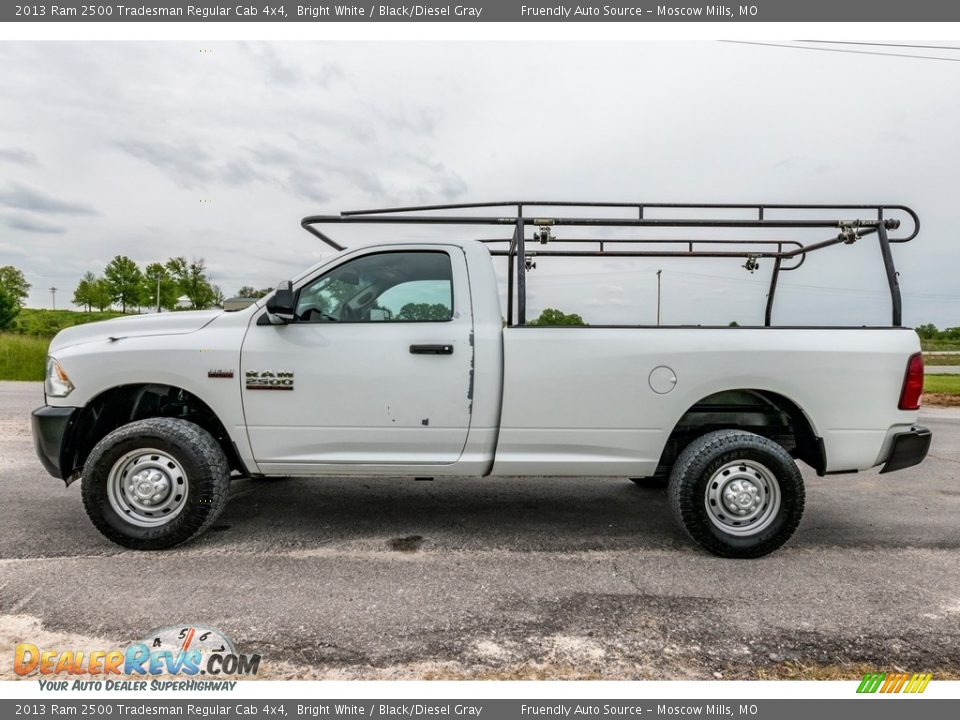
(580, 401)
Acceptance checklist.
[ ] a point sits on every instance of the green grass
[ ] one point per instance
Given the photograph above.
(22, 357)
(946, 384)
(941, 360)
(48, 323)
(940, 345)
(23, 350)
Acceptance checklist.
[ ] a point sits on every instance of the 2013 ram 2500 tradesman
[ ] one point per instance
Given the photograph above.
(394, 360)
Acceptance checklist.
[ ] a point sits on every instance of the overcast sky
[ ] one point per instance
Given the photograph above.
(154, 150)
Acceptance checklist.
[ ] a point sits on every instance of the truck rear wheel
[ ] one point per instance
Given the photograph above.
(155, 483)
(736, 494)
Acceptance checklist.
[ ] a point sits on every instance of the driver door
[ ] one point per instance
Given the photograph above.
(374, 370)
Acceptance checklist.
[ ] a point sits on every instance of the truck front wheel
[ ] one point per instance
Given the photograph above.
(736, 494)
(155, 483)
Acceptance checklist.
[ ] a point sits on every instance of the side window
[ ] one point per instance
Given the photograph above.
(385, 287)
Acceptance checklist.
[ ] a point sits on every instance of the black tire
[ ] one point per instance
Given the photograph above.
(200, 470)
(654, 482)
(709, 470)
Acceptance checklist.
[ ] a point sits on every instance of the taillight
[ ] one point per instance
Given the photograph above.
(912, 384)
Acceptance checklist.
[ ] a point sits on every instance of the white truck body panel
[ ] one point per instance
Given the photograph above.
(514, 401)
(182, 358)
(363, 404)
(579, 401)
(359, 395)
(135, 326)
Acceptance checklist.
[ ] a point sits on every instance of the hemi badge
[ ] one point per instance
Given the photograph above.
(220, 374)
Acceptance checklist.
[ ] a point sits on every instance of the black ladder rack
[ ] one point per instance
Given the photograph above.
(857, 221)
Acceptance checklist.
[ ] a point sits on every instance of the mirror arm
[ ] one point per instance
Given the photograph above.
(269, 318)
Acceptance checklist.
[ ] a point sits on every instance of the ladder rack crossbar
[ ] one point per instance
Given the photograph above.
(856, 222)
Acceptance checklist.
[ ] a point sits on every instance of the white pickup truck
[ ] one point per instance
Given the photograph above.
(395, 360)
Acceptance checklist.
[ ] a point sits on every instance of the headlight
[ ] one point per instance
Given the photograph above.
(57, 383)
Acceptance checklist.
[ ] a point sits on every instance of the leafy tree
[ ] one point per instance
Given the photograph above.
(14, 284)
(248, 291)
(125, 281)
(734, 323)
(177, 267)
(8, 309)
(100, 295)
(929, 331)
(84, 294)
(192, 281)
(553, 317)
(424, 311)
(204, 296)
(155, 275)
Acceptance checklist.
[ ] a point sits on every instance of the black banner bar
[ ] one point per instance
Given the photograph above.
(432, 709)
(480, 11)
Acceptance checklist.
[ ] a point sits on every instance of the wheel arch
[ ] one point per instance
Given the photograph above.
(764, 412)
(127, 403)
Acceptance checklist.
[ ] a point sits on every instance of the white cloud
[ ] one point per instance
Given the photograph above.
(157, 149)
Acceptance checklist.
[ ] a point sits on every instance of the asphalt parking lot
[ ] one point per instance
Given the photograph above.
(536, 577)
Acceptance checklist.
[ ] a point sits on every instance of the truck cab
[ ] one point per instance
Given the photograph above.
(383, 361)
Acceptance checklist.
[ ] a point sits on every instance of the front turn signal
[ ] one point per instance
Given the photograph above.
(57, 383)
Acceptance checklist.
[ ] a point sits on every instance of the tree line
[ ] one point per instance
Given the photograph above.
(930, 332)
(157, 285)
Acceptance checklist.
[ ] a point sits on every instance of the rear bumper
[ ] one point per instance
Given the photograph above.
(908, 449)
(50, 428)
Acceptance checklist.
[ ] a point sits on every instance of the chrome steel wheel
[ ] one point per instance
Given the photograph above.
(742, 497)
(147, 487)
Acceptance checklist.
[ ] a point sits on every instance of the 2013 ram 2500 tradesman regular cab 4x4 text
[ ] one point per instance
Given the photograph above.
(394, 360)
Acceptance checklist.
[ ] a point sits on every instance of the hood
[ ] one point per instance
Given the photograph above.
(171, 323)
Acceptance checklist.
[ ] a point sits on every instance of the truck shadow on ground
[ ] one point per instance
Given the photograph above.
(538, 514)
(401, 514)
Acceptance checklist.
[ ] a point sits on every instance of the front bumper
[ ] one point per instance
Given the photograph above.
(908, 449)
(51, 426)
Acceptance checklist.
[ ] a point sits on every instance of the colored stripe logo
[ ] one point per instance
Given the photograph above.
(894, 682)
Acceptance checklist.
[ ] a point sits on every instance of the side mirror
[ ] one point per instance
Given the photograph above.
(349, 277)
(280, 305)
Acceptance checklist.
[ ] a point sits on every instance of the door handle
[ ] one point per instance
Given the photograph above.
(431, 349)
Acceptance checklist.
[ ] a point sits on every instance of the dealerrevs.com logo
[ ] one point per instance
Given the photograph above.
(186, 650)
